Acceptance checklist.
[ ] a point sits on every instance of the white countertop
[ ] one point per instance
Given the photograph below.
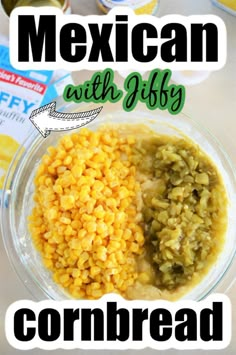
(212, 103)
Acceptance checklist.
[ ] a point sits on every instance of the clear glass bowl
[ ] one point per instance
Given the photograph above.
(19, 188)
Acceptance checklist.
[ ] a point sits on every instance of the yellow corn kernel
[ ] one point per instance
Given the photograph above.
(102, 253)
(86, 217)
(75, 244)
(84, 132)
(85, 275)
(61, 153)
(94, 271)
(76, 224)
(76, 273)
(67, 202)
(84, 195)
(123, 192)
(91, 227)
(95, 286)
(82, 233)
(111, 202)
(77, 171)
(52, 213)
(65, 220)
(56, 163)
(110, 230)
(113, 246)
(49, 249)
(109, 217)
(69, 231)
(120, 257)
(64, 278)
(102, 228)
(124, 203)
(71, 261)
(78, 281)
(67, 180)
(144, 278)
(96, 293)
(90, 205)
(61, 170)
(98, 185)
(48, 263)
(106, 138)
(51, 170)
(91, 172)
(131, 140)
(58, 189)
(99, 158)
(97, 241)
(96, 194)
(139, 238)
(107, 192)
(76, 292)
(46, 160)
(83, 257)
(68, 160)
(99, 212)
(52, 151)
(109, 287)
(67, 142)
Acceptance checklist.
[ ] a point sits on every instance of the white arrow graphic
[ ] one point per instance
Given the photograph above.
(47, 119)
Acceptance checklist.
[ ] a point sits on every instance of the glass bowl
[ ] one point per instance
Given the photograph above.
(19, 188)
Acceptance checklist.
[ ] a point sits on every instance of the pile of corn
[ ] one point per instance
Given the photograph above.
(84, 222)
